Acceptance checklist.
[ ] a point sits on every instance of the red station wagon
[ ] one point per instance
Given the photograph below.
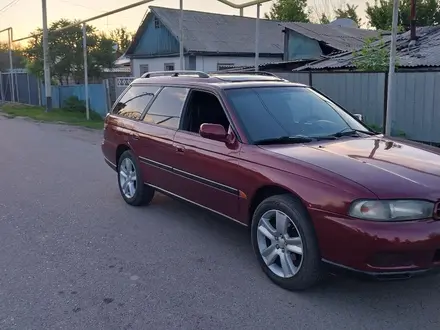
(316, 186)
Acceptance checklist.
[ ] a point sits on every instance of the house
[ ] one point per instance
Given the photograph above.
(308, 41)
(423, 55)
(211, 42)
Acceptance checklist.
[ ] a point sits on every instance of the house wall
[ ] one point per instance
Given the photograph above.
(300, 47)
(156, 40)
(201, 63)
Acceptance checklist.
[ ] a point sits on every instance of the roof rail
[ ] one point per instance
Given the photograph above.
(257, 73)
(176, 73)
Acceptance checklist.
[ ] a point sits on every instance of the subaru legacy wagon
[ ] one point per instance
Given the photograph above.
(314, 184)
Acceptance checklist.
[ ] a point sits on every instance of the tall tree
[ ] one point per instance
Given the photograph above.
(348, 11)
(66, 52)
(380, 13)
(289, 10)
(122, 38)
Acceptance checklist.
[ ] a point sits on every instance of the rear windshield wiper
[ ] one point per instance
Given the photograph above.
(286, 139)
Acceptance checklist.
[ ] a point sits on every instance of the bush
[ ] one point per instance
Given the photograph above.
(74, 104)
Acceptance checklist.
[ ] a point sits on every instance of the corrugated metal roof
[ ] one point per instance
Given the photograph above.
(216, 33)
(338, 37)
(208, 32)
(425, 53)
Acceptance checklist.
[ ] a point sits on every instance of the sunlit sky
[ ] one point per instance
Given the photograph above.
(25, 15)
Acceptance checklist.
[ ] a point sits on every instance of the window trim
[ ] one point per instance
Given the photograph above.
(143, 111)
(169, 64)
(143, 65)
(222, 104)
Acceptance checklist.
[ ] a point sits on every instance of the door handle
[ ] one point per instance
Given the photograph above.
(135, 136)
(180, 149)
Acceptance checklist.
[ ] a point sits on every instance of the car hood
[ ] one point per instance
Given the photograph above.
(390, 168)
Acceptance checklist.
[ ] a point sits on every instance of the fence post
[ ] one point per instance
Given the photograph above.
(29, 87)
(2, 93)
(385, 103)
(107, 93)
(39, 91)
(310, 79)
(16, 87)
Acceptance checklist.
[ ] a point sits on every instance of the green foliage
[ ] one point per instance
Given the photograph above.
(122, 37)
(324, 19)
(74, 104)
(374, 56)
(380, 13)
(66, 52)
(289, 10)
(350, 11)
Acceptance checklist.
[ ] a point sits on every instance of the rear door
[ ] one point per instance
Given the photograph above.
(154, 134)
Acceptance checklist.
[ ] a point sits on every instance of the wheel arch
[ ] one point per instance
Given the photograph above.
(267, 191)
(119, 151)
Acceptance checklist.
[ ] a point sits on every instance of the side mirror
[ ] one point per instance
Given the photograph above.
(213, 132)
(358, 116)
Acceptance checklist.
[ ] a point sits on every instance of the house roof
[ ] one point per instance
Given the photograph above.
(423, 54)
(216, 33)
(337, 37)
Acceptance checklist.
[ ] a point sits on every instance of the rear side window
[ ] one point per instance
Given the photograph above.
(134, 101)
(167, 107)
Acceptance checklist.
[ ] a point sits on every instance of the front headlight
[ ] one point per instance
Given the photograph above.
(391, 210)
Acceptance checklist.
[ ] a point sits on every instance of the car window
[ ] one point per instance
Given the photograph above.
(167, 107)
(134, 101)
(274, 112)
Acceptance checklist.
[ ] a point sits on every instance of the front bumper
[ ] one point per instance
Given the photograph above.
(378, 249)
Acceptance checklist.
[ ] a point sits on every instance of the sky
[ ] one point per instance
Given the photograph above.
(25, 15)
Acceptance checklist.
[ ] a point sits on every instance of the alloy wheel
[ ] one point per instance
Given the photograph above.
(127, 178)
(280, 243)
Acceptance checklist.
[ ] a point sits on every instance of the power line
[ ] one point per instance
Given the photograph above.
(9, 5)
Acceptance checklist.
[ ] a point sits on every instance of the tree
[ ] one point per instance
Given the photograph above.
(324, 19)
(122, 38)
(380, 14)
(350, 11)
(374, 56)
(289, 10)
(66, 52)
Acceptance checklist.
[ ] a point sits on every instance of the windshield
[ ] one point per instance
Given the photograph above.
(268, 113)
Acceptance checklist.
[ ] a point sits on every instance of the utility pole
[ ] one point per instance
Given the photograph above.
(86, 69)
(182, 62)
(47, 80)
(11, 65)
(391, 69)
(257, 37)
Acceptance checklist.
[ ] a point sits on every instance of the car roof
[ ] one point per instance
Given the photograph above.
(218, 80)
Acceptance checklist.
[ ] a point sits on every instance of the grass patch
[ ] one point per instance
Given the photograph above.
(56, 115)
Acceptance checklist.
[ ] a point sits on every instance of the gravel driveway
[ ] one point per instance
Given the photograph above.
(73, 255)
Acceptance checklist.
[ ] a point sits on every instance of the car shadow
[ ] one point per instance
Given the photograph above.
(229, 231)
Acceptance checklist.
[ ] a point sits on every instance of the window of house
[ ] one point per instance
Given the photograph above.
(157, 24)
(203, 107)
(167, 107)
(143, 68)
(134, 101)
(224, 66)
(169, 66)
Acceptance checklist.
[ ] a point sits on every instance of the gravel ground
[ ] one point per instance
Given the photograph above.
(73, 255)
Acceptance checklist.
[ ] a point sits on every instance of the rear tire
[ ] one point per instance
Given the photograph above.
(132, 189)
(285, 243)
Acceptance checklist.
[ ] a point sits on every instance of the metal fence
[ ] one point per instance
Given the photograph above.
(416, 110)
(25, 88)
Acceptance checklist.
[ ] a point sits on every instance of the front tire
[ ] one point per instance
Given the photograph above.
(132, 189)
(285, 243)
